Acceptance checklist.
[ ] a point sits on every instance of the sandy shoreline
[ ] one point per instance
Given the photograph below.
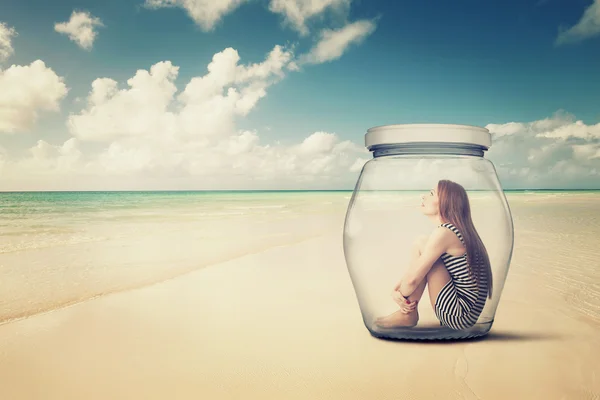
(44, 279)
(285, 323)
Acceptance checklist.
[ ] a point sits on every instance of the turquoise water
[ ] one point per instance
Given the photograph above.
(38, 219)
(13, 204)
(31, 220)
(78, 206)
(74, 205)
(21, 203)
(57, 248)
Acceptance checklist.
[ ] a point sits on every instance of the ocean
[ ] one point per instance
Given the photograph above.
(60, 248)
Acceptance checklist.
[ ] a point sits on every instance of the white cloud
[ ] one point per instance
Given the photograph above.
(505, 129)
(318, 142)
(207, 107)
(297, 12)
(576, 129)
(6, 35)
(24, 91)
(588, 26)
(206, 13)
(553, 152)
(138, 111)
(558, 120)
(80, 28)
(333, 43)
(48, 159)
(586, 151)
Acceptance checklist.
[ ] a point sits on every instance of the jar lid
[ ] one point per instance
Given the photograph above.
(440, 133)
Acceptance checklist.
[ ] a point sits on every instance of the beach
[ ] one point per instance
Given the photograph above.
(255, 301)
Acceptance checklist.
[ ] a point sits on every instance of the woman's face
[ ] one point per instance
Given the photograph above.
(430, 202)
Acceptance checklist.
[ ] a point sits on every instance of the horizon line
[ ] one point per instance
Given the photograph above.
(271, 190)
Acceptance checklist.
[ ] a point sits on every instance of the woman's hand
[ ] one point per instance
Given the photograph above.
(404, 304)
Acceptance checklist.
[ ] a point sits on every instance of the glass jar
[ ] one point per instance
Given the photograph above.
(428, 221)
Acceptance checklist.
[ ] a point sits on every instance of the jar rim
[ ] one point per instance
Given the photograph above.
(429, 125)
(432, 133)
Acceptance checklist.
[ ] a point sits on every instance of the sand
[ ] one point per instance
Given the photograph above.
(284, 323)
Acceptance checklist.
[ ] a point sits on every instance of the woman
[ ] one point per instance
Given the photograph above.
(452, 262)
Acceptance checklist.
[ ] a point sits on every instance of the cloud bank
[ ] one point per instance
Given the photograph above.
(151, 137)
(559, 151)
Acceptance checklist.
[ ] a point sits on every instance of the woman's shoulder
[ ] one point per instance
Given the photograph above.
(443, 235)
(446, 228)
(452, 229)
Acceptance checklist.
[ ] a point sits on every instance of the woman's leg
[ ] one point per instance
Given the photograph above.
(398, 318)
(435, 280)
(416, 253)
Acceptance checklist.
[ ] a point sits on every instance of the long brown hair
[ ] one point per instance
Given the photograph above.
(454, 208)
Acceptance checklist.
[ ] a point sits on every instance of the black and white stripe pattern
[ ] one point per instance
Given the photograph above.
(461, 300)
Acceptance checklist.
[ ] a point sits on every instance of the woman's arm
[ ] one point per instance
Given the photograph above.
(418, 244)
(432, 250)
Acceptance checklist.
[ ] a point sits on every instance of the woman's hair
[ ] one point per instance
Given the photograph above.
(454, 208)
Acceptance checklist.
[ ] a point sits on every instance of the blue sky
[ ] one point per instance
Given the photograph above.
(480, 63)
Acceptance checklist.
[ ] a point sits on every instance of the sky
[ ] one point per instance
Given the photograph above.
(278, 94)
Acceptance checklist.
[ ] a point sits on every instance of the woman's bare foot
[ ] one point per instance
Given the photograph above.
(398, 319)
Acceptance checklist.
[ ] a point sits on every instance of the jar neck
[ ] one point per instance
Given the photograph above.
(431, 148)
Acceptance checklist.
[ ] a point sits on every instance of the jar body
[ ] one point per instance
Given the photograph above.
(385, 217)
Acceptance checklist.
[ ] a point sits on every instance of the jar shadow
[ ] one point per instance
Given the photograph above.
(500, 336)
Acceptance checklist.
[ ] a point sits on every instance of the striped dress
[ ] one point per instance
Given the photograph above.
(460, 302)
